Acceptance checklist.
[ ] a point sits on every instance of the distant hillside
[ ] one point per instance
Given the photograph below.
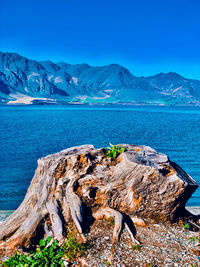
(31, 82)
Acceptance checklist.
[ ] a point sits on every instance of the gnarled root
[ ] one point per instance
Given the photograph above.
(75, 207)
(21, 233)
(120, 221)
(56, 222)
(24, 232)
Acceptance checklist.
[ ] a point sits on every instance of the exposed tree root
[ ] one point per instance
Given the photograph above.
(119, 222)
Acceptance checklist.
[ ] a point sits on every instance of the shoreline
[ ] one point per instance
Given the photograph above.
(5, 213)
(193, 209)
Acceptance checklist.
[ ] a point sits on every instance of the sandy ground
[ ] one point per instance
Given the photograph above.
(26, 100)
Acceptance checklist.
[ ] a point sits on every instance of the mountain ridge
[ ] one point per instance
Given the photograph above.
(28, 81)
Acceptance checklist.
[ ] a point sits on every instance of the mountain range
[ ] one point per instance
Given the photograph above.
(26, 81)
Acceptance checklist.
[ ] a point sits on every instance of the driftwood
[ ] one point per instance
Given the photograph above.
(81, 184)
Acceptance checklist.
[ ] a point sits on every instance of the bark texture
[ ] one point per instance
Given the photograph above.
(81, 184)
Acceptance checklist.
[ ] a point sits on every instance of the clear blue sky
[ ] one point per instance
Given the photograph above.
(146, 36)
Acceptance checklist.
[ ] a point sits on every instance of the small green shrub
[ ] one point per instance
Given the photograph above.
(111, 220)
(48, 256)
(136, 247)
(194, 239)
(43, 256)
(73, 249)
(186, 226)
(113, 151)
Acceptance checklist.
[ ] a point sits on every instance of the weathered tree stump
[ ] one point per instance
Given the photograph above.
(82, 184)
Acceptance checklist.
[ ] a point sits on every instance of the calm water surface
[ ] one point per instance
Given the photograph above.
(30, 132)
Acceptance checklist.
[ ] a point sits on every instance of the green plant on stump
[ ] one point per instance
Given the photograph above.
(111, 220)
(113, 151)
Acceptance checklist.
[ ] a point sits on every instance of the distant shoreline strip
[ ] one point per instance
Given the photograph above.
(5, 213)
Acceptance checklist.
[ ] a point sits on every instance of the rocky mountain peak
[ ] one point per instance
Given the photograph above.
(62, 82)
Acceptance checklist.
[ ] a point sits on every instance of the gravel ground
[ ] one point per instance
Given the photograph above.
(162, 245)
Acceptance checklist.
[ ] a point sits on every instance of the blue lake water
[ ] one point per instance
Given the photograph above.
(30, 132)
